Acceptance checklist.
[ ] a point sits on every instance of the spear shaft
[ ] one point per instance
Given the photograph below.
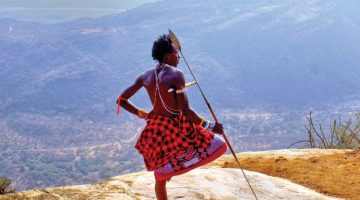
(177, 45)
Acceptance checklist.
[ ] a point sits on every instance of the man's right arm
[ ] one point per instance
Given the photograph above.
(129, 92)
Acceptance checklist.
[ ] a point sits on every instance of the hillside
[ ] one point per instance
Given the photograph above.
(262, 65)
(266, 53)
(337, 169)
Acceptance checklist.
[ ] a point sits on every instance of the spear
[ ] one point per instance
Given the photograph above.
(177, 45)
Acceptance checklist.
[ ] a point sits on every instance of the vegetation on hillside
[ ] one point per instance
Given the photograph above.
(340, 136)
(5, 186)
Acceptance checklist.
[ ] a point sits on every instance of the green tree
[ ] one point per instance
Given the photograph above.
(5, 186)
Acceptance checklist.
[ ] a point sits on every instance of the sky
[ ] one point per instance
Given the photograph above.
(54, 11)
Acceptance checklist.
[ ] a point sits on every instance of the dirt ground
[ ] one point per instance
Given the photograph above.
(335, 173)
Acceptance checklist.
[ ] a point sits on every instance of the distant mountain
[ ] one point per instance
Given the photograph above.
(273, 53)
(59, 82)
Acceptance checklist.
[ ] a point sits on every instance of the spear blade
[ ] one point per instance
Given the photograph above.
(174, 40)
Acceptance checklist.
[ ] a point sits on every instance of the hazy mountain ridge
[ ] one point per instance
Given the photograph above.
(270, 52)
(59, 82)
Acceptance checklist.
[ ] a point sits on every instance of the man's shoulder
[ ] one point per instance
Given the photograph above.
(173, 76)
(147, 73)
(176, 72)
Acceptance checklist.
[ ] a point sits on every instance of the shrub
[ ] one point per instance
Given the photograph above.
(5, 186)
(342, 135)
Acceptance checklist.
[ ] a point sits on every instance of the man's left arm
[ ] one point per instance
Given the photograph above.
(183, 103)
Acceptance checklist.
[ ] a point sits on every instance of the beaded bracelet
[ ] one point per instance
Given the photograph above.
(206, 125)
(211, 125)
(118, 101)
(141, 114)
(202, 121)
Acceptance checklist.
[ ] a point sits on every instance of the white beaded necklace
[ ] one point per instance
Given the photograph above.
(157, 90)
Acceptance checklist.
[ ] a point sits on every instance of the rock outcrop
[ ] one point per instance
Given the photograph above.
(208, 182)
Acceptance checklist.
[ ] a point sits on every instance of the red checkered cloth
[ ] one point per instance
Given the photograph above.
(163, 137)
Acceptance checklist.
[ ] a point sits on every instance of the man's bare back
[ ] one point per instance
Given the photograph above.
(168, 78)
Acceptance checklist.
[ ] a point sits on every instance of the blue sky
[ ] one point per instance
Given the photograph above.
(52, 11)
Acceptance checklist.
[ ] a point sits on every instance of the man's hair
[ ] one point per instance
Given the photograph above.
(160, 47)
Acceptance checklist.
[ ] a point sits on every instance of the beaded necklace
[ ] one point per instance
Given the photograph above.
(157, 90)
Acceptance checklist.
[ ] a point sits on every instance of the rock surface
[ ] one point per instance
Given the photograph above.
(209, 182)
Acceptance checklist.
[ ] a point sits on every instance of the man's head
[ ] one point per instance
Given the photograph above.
(164, 52)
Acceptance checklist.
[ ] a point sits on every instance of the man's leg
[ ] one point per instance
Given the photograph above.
(160, 190)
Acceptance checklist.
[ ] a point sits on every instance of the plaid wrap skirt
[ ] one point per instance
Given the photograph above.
(163, 138)
(191, 158)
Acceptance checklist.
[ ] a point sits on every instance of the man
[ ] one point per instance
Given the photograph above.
(176, 139)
